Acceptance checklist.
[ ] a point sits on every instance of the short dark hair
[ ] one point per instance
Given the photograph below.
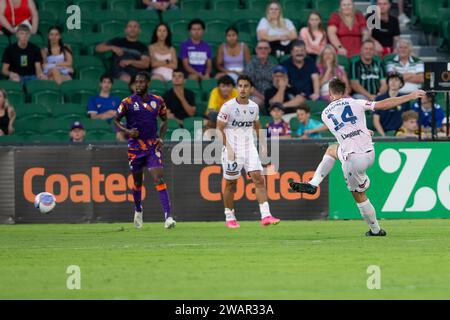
(298, 43)
(367, 41)
(246, 78)
(23, 27)
(178, 70)
(337, 86)
(196, 21)
(106, 76)
(144, 74)
(305, 108)
(226, 80)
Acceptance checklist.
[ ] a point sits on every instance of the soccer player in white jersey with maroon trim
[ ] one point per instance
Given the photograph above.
(236, 121)
(345, 118)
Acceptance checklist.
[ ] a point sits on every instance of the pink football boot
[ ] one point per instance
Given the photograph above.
(270, 220)
(232, 224)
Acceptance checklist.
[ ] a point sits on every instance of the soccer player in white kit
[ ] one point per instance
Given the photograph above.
(345, 118)
(236, 121)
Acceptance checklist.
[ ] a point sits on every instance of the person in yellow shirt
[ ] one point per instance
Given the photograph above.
(224, 92)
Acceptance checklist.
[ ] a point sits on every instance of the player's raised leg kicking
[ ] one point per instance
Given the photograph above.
(235, 123)
(345, 117)
(144, 145)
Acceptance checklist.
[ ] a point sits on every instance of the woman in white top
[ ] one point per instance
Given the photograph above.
(162, 54)
(57, 57)
(276, 30)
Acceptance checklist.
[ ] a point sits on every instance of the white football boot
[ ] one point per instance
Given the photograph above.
(138, 218)
(170, 223)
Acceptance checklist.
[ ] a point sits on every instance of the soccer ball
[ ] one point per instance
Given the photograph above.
(45, 202)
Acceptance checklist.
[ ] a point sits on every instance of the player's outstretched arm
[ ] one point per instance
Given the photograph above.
(393, 102)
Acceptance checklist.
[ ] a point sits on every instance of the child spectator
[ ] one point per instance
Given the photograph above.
(308, 128)
(314, 35)
(278, 127)
(163, 57)
(77, 132)
(409, 125)
(425, 113)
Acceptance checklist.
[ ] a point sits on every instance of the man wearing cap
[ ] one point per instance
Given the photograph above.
(302, 72)
(391, 119)
(77, 132)
(282, 92)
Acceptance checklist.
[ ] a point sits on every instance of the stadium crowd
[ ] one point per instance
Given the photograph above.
(291, 68)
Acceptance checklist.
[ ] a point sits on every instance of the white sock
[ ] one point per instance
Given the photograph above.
(323, 170)
(229, 214)
(368, 213)
(264, 209)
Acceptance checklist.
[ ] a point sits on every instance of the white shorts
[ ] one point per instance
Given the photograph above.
(354, 169)
(250, 162)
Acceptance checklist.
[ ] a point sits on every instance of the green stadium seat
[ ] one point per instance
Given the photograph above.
(179, 29)
(74, 41)
(32, 111)
(344, 62)
(92, 137)
(4, 43)
(295, 5)
(172, 124)
(157, 87)
(70, 111)
(200, 107)
(49, 138)
(14, 91)
(264, 120)
(224, 5)
(79, 91)
(247, 26)
(147, 28)
(56, 7)
(169, 16)
(44, 92)
(145, 15)
(192, 5)
(428, 13)
(257, 5)
(316, 106)
(88, 68)
(12, 139)
(97, 126)
(88, 5)
(325, 8)
(121, 5)
(293, 124)
(120, 88)
(109, 22)
(25, 127)
(91, 40)
(55, 126)
(207, 87)
(189, 123)
(46, 20)
(217, 28)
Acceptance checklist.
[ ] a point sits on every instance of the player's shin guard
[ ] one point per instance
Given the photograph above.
(137, 196)
(264, 210)
(368, 213)
(164, 198)
(322, 170)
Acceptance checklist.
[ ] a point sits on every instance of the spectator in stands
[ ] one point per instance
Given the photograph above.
(302, 72)
(7, 115)
(314, 35)
(14, 13)
(409, 125)
(367, 76)
(163, 57)
(276, 30)
(388, 34)
(425, 113)
(129, 54)
(179, 100)
(411, 67)
(347, 29)
(308, 127)
(196, 53)
(22, 60)
(259, 69)
(278, 127)
(391, 119)
(282, 92)
(328, 69)
(103, 106)
(232, 56)
(224, 92)
(57, 57)
(77, 132)
(161, 5)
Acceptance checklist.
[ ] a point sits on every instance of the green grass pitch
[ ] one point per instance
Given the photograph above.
(293, 260)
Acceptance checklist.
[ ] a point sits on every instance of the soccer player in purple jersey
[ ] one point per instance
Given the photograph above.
(145, 147)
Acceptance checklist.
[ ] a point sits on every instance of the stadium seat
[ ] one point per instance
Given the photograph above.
(207, 87)
(97, 126)
(157, 87)
(147, 28)
(169, 16)
(180, 28)
(189, 123)
(44, 92)
(4, 43)
(247, 26)
(264, 120)
(257, 5)
(38, 40)
(293, 124)
(57, 7)
(14, 91)
(12, 139)
(344, 62)
(120, 88)
(25, 127)
(428, 13)
(109, 22)
(88, 68)
(32, 111)
(317, 105)
(295, 5)
(172, 124)
(78, 91)
(192, 5)
(144, 15)
(88, 5)
(49, 138)
(55, 126)
(108, 137)
(325, 8)
(121, 5)
(217, 28)
(91, 40)
(224, 5)
(46, 20)
(200, 107)
(71, 111)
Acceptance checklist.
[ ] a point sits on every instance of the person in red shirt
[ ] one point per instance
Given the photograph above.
(347, 29)
(23, 12)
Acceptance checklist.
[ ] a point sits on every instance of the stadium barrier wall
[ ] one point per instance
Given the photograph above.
(93, 184)
(408, 180)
